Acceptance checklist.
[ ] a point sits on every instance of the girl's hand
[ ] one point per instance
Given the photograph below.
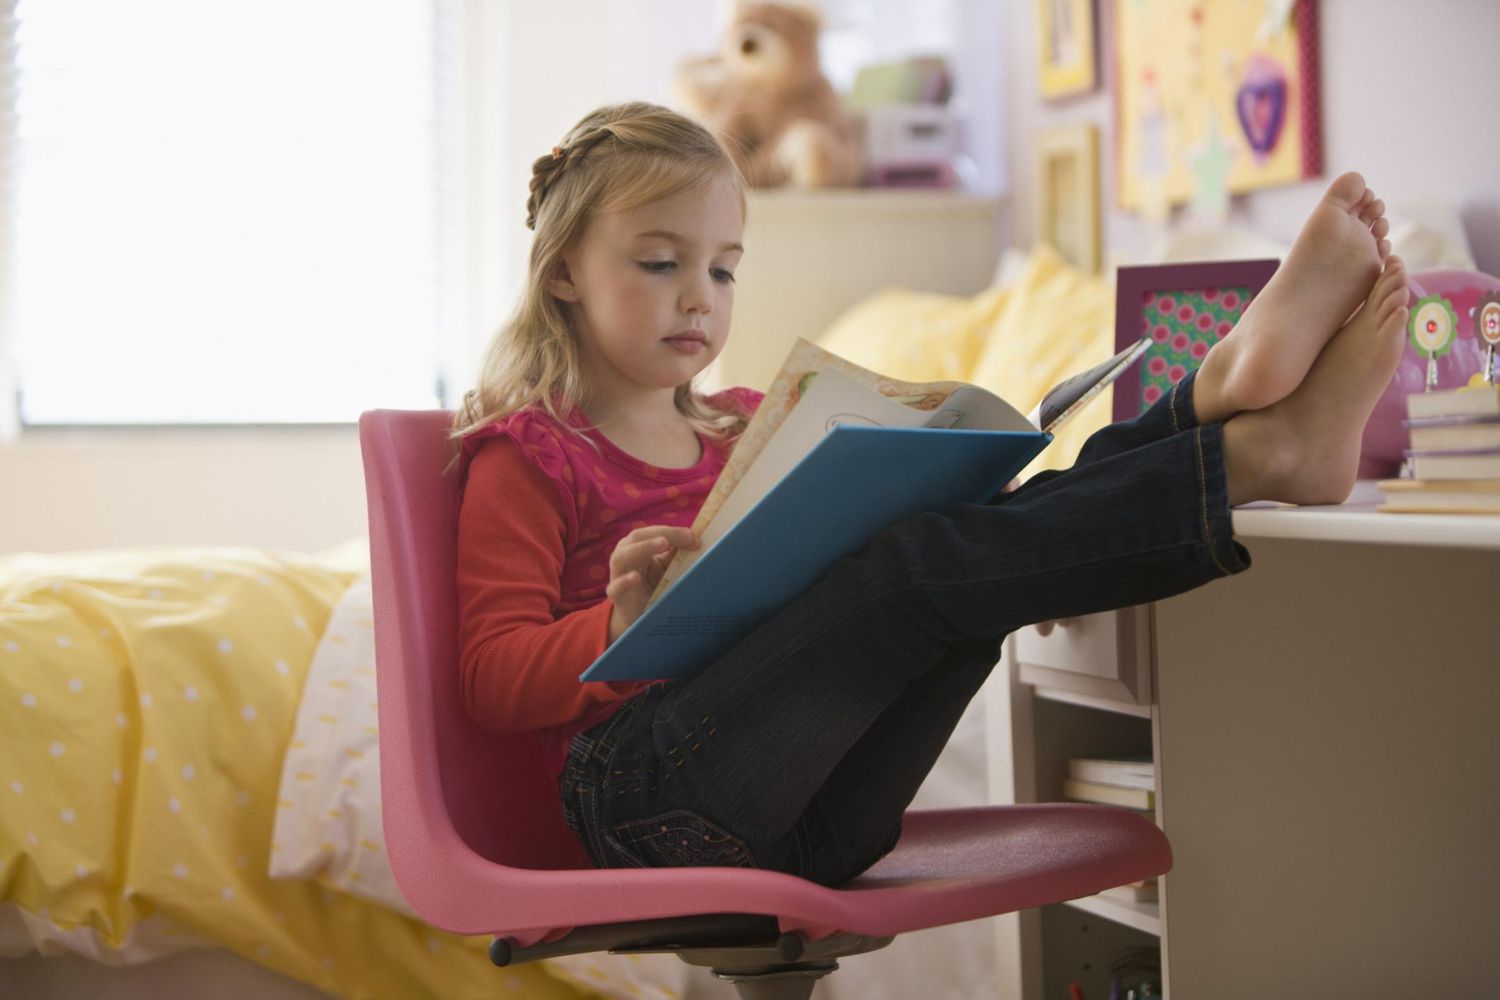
(635, 567)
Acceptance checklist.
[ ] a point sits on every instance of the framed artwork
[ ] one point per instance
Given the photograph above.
(1184, 309)
(1068, 182)
(1213, 99)
(1065, 46)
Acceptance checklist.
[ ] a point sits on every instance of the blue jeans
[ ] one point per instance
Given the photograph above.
(800, 748)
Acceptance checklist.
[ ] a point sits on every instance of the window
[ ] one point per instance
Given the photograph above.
(227, 212)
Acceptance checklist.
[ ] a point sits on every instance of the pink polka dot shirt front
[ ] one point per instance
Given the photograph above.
(606, 493)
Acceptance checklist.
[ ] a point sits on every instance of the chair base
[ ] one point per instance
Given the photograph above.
(745, 949)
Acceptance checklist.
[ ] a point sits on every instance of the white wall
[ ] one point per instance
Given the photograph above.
(295, 488)
(1409, 91)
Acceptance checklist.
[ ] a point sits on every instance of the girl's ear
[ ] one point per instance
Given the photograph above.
(560, 282)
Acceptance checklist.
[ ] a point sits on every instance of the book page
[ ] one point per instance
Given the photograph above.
(979, 409)
(1073, 394)
(829, 399)
(794, 379)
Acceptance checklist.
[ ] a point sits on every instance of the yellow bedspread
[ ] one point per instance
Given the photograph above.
(146, 700)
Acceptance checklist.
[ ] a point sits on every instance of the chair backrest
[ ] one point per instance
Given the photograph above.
(494, 797)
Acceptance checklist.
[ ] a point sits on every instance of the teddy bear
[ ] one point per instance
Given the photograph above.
(767, 99)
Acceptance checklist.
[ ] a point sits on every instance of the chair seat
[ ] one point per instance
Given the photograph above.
(961, 864)
(950, 865)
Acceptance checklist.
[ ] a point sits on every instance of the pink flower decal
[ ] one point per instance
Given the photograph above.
(1186, 314)
(1166, 303)
(1152, 393)
(1157, 365)
(1161, 333)
(1231, 300)
(1225, 327)
(1180, 342)
(1175, 374)
(1200, 350)
(1205, 321)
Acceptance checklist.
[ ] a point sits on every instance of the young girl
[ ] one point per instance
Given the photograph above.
(586, 453)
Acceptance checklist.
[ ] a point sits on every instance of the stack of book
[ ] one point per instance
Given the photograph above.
(1128, 782)
(1454, 460)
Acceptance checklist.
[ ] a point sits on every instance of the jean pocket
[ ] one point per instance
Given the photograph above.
(682, 839)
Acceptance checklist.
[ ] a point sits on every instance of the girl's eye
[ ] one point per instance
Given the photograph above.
(657, 266)
(722, 276)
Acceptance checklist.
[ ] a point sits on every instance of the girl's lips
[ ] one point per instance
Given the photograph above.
(688, 343)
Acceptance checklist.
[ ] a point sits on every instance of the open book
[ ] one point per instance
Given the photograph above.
(834, 454)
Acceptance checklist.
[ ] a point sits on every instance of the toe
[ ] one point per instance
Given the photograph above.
(1396, 321)
(1373, 211)
(1381, 227)
(1347, 190)
(1384, 246)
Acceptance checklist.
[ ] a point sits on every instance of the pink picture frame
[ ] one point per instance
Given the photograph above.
(1185, 309)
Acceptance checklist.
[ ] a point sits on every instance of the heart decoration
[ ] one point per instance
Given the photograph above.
(1261, 105)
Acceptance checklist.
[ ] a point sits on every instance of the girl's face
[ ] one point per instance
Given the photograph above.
(650, 288)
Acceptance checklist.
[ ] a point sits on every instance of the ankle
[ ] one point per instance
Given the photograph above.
(1244, 468)
(1208, 391)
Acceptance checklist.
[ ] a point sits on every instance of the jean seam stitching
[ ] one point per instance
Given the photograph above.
(1208, 540)
(1172, 408)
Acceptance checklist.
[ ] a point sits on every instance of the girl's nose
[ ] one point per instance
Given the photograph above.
(698, 295)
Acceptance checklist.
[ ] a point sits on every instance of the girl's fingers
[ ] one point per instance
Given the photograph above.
(681, 537)
(627, 593)
(630, 555)
(638, 562)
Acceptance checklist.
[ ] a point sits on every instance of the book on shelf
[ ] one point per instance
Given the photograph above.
(1471, 400)
(1441, 496)
(1142, 799)
(1454, 433)
(834, 454)
(1453, 464)
(1144, 891)
(1470, 463)
(1133, 771)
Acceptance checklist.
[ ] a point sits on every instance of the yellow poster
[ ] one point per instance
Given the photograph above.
(1214, 97)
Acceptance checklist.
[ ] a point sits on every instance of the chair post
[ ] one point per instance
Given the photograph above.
(777, 972)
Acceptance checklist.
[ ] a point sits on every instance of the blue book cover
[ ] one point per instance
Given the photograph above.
(857, 481)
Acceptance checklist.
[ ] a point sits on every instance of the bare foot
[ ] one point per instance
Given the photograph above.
(1328, 272)
(1304, 449)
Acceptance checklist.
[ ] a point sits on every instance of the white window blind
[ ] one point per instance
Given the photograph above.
(9, 419)
(227, 212)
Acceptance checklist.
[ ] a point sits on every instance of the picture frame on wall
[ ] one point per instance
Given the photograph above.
(1068, 185)
(1067, 55)
(1212, 100)
(1185, 309)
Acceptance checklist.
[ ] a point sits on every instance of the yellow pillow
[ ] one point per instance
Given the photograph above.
(1056, 322)
(913, 336)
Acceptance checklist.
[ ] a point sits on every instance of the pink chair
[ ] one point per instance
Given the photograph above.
(477, 843)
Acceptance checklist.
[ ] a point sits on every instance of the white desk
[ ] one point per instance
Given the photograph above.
(1327, 736)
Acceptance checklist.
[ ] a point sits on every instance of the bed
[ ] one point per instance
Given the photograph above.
(189, 778)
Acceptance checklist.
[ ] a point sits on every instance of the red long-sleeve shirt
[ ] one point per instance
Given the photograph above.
(542, 510)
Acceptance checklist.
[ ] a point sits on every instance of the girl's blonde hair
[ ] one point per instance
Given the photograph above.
(617, 157)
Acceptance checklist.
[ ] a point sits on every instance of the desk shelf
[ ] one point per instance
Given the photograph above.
(1142, 916)
(1065, 697)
